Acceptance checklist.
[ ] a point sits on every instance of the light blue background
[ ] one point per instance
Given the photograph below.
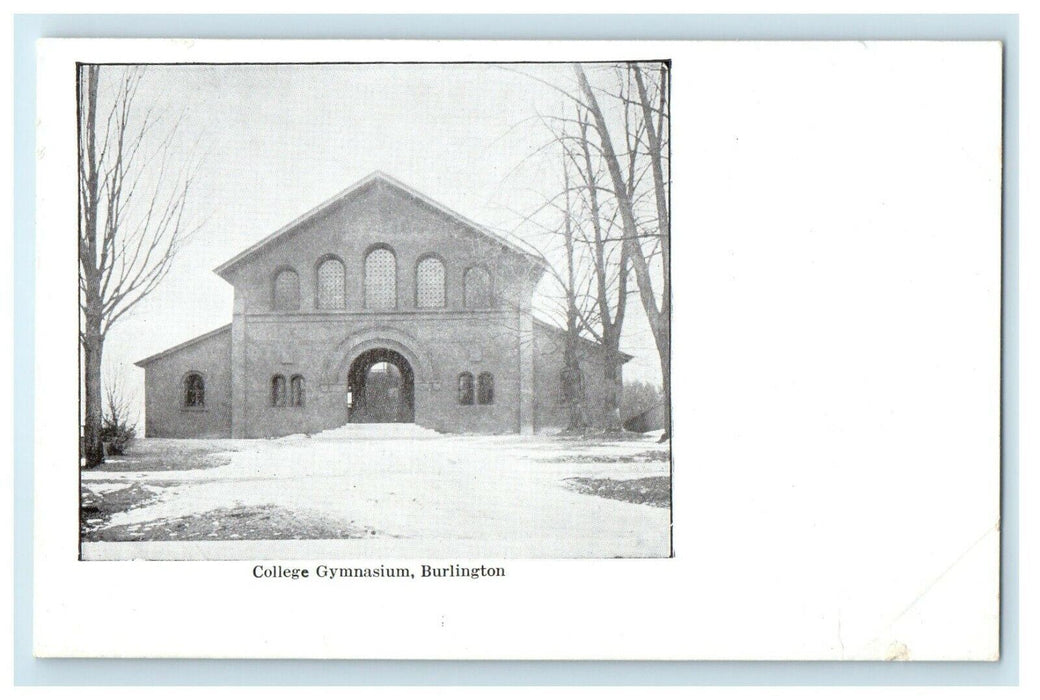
(30, 671)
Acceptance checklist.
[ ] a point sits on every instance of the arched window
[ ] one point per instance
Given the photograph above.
(380, 279)
(477, 287)
(331, 284)
(429, 283)
(485, 389)
(194, 391)
(466, 389)
(277, 390)
(287, 291)
(296, 390)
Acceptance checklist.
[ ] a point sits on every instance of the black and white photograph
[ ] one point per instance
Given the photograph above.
(383, 309)
(518, 350)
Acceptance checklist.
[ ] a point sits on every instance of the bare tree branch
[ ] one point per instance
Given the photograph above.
(133, 217)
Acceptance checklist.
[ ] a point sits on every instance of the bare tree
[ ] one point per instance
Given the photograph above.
(645, 237)
(573, 386)
(619, 148)
(132, 204)
(588, 269)
(606, 318)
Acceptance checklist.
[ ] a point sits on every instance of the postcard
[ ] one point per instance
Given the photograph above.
(518, 350)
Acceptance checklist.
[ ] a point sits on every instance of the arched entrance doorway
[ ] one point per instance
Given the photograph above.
(380, 388)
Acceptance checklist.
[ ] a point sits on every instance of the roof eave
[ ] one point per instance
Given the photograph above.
(181, 346)
(545, 324)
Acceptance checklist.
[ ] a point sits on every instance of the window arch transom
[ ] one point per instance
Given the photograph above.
(380, 279)
(331, 284)
(429, 283)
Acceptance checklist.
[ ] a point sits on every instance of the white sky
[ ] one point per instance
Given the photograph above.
(274, 141)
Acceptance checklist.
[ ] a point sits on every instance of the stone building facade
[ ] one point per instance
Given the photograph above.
(378, 305)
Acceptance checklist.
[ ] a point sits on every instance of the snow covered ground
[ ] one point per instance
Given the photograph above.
(404, 492)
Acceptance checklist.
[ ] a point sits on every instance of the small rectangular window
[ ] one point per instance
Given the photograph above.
(278, 390)
(296, 391)
(466, 389)
(485, 389)
(194, 391)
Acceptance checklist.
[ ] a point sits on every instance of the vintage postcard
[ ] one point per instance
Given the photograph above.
(448, 346)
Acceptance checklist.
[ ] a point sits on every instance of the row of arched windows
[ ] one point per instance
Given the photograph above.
(380, 284)
(195, 391)
(283, 394)
(485, 389)
(281, 398)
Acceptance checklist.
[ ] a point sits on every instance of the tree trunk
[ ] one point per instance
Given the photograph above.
(612, 364)
(577, 421)
(124, 261)
(93, 342)
(611, 333)
(612, 379)
(666, 379)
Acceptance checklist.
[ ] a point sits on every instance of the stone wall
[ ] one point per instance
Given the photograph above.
(382, 215)
(165, 412)
(320, 348)
(440, 343)
(551, 412)
(239, 363)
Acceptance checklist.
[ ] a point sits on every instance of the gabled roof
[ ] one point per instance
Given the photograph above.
(515, 245)
(187, 343)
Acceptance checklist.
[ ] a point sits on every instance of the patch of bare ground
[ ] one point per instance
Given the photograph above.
(649, 490)
(267, 522)
(157, 454)
(96, 509)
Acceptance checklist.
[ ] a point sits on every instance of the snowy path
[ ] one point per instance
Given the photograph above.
(422, 495)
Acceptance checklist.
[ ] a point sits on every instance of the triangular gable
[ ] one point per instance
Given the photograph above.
(514, 245)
